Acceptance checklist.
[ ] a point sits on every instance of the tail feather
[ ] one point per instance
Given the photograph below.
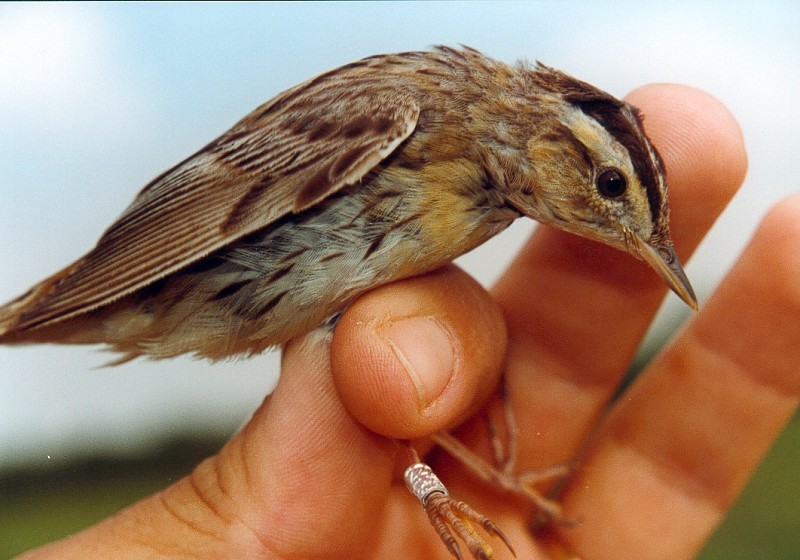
(116, 326)
(12, 311)
(16, 326)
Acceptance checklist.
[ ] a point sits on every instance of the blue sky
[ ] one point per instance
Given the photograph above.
(96, 99)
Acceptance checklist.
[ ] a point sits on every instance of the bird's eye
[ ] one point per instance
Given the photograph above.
(611, 183)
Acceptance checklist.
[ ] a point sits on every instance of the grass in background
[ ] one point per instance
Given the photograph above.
(765, 522)
(36, 508)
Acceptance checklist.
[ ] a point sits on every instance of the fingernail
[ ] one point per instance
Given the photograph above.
(426, 351)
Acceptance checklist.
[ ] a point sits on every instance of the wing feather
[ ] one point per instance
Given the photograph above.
(286, 156)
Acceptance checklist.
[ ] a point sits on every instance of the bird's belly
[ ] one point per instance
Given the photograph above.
(289, 278)
(273, 285)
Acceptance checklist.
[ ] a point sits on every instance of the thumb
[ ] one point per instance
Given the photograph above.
(419, 356)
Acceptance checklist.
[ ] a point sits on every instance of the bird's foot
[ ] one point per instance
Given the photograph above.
(502, 477)
(452, 518)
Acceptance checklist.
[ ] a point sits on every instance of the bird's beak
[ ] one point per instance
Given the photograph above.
(664, 261)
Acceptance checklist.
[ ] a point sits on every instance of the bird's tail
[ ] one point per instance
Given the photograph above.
(16, 328)
(11, 315)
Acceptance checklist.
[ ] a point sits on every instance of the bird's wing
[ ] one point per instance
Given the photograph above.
(285, 157)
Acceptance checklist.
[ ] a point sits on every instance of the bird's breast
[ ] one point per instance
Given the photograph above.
(288, 278)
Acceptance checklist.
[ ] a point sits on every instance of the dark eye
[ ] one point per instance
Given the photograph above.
(611, 183)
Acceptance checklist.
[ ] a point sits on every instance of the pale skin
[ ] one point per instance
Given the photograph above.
(315, 473)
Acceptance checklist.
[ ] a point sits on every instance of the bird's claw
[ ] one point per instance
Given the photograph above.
(452, 518)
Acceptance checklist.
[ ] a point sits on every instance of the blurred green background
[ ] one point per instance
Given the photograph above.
(40, 507)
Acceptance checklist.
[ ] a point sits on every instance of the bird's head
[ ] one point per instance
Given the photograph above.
(592, 171)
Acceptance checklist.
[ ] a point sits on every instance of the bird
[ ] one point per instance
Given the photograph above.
(381, 169)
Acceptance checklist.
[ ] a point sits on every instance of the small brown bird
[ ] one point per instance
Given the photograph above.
(378, 170)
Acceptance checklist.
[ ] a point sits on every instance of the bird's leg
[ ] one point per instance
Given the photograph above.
(501, 474)
(450, 518)
(522, 485)
(504, 453)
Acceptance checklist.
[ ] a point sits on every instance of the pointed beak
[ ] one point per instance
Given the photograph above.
(664, 261)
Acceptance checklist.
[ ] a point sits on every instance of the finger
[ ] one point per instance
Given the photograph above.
(302, 479)
(418, 356)
(577, 310)
(684, 440)
(303, 476)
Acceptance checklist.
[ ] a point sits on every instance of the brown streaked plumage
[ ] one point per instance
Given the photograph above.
(378, 170)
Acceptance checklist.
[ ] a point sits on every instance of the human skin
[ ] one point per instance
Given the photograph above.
(316, 471)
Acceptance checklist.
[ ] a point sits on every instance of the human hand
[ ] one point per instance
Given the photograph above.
(314, 475)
